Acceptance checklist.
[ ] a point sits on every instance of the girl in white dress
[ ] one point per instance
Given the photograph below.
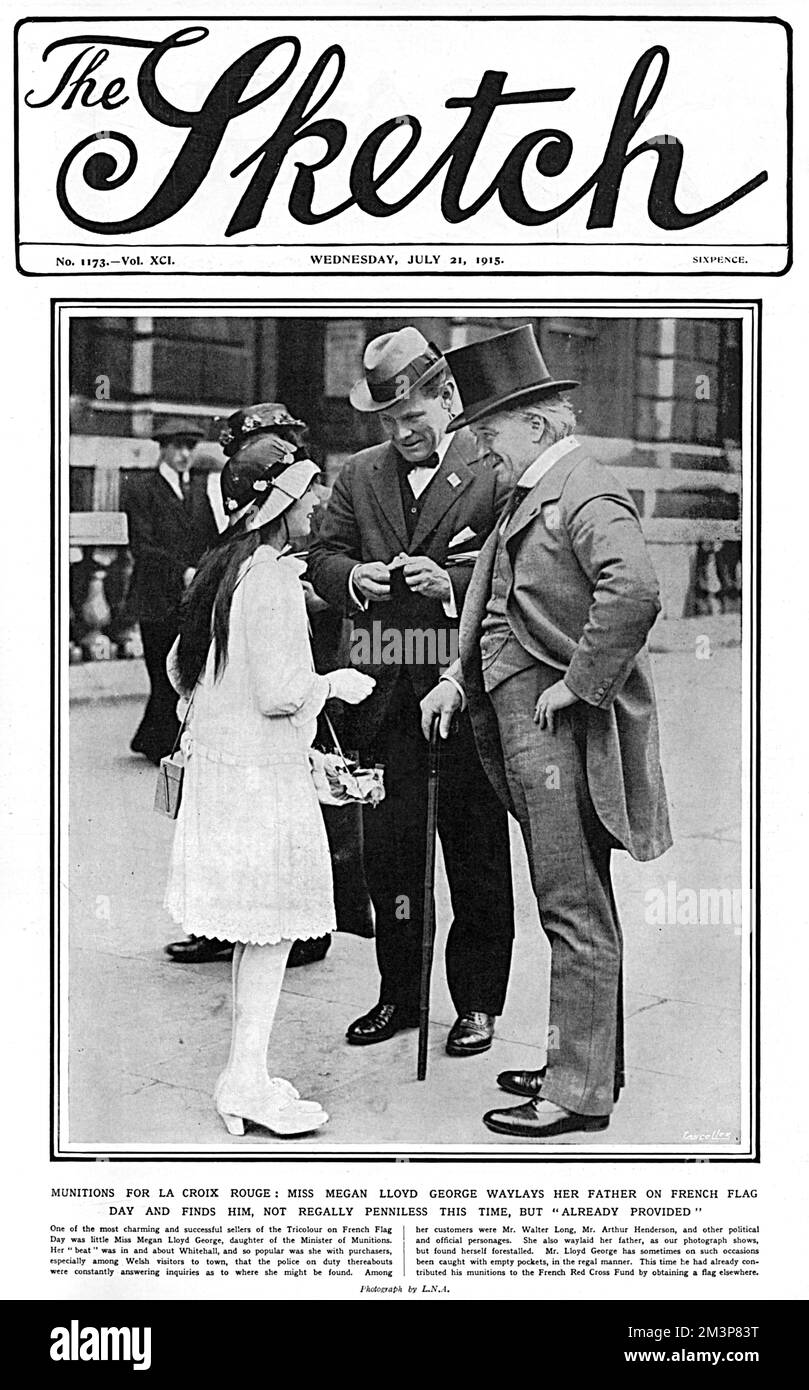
(251, 860)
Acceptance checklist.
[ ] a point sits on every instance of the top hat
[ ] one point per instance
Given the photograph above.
(264, 478)
(176, 428)
(501, 370)
(394, 364)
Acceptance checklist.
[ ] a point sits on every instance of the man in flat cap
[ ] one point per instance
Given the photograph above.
(554, 666)
(171, 524)
(401, 515)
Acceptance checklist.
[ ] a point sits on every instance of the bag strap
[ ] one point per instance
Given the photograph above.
(181, 729)
(335, 740)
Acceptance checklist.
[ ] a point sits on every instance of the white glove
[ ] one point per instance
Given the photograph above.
(350, 685)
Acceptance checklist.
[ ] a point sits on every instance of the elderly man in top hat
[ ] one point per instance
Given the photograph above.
(400, 515)
(171, 524)
(555, 669)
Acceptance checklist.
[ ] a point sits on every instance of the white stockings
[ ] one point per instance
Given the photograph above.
(258, 974)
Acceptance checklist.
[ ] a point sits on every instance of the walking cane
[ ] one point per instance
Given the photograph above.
(428, 912)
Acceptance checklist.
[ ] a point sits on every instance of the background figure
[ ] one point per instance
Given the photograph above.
(422, 497)
(171, 525)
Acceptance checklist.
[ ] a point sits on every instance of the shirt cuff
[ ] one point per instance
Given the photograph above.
(353, 595)
(458, 687)
(313, 702)
(450, 606)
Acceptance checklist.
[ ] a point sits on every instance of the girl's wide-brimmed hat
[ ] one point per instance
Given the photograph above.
(268, 472)
(506, 370)
(394, 365)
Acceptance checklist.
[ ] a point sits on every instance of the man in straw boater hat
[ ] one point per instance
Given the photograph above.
(554, 666)
(171, 524)
(388, 553)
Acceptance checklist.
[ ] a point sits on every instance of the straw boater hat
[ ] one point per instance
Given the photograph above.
(505, 370)
(394, 365)
(269, 467)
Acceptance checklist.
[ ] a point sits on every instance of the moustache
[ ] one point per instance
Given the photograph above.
(489, 459)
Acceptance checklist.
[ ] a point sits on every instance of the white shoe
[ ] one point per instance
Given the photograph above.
(287, 1091)
(280, 1109)
(281, 1090)
(285, 1120)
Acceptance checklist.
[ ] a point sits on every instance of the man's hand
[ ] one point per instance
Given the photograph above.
(425, 577)
(555, 698)
(443, 700)
(372, 580)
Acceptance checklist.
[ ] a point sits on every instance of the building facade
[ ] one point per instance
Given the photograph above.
(659, 400)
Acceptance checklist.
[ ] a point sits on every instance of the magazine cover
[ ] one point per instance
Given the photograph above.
(402, 814)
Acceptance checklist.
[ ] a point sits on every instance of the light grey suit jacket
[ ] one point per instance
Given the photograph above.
(583, 598)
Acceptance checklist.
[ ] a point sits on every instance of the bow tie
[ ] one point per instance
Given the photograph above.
(405, 466)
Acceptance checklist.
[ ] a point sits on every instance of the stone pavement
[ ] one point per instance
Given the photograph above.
(148, 1038)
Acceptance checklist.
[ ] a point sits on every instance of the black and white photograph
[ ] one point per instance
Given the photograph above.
(407, 732)
(403, 792)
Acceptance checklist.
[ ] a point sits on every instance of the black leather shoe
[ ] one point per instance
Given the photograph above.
(381, 1022)
(522, 1083)
(309, 951)
(469, 1034)
(198, 950)
(529, 1083)
(541, 1119)
(150, 754)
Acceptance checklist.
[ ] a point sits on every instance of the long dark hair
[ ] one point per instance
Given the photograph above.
(205, 608)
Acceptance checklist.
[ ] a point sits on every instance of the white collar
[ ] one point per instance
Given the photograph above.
(546, 460)
(172, 477)
(443, 447)
(440, 450)
(420, 476)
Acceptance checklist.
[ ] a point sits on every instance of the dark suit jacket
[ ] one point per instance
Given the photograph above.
(364, 521)
(583, 599)
(165, 541)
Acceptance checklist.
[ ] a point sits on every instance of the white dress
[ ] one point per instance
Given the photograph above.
(251, 860)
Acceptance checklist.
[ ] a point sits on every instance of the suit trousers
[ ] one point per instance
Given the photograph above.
(158, 729)
(473, 829)
(569, 855)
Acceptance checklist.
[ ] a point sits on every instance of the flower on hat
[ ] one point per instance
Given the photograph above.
(251, 422)
(226, 436)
